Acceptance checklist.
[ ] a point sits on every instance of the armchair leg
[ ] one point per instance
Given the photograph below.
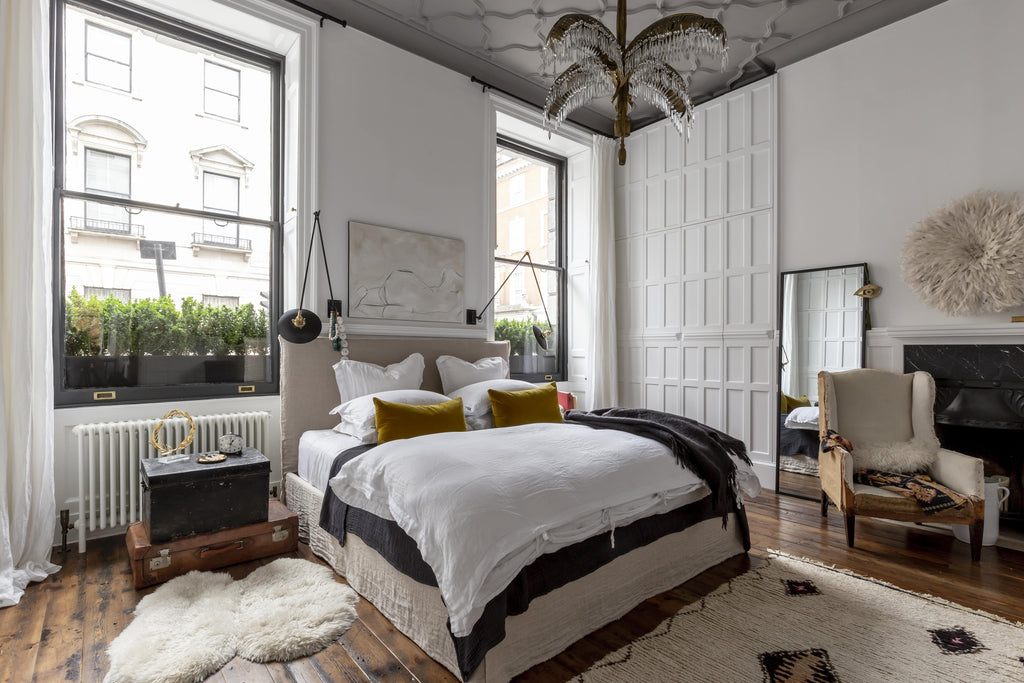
(977, 531)
(848, 519)
(824, 504)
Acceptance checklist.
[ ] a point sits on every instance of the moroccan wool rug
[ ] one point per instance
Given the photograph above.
(194, 624)
(790, 620)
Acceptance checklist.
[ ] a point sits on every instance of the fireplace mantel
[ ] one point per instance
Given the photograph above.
(885, 344)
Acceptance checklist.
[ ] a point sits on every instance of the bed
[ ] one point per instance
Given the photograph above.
(547, 622)
(798, 441)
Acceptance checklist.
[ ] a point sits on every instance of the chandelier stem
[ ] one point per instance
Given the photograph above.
(620, 25)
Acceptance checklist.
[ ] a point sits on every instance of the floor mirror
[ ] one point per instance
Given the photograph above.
(821, 327)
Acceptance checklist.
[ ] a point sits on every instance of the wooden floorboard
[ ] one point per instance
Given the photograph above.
(62, 627)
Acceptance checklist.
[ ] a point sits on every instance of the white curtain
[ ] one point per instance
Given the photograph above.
(602, 356)
(788, 336)
(26, 365)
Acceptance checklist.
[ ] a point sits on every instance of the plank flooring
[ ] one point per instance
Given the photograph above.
(61, 629)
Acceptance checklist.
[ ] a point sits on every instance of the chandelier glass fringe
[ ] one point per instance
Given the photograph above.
(604, 65)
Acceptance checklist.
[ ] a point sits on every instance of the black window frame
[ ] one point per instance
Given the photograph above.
(561, 320)
(216, 42)
(129, 64)
(238, 97)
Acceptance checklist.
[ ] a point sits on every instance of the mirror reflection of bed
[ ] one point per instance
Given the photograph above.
(821, 327)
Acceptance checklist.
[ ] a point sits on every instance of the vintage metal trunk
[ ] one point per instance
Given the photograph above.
(185, 498)
(157, 562)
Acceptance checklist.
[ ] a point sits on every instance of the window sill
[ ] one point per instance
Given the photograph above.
(214, 117)
(108, 89)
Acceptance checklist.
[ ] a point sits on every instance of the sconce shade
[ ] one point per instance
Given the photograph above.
(299, 326)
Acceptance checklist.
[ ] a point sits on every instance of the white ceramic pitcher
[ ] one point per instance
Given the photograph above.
(995, 496)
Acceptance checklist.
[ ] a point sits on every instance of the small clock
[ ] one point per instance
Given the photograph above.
(229, 444)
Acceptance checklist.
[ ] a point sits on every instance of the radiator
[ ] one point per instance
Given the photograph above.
(109, 480)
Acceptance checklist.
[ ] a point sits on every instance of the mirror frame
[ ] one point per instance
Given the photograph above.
(865, 325)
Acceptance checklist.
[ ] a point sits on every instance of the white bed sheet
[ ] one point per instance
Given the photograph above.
(481, 505)
(317, 450)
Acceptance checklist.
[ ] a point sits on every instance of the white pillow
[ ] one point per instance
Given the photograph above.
(457, 373)
(358, 416)
(475, 399)
(357, 379)
(485, 421)
(803, 418)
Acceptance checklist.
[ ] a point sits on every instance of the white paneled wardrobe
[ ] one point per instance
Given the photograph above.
(696, 267)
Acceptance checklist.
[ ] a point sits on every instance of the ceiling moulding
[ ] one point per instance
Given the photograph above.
(770, 47)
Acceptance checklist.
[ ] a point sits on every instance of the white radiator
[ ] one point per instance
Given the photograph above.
(109, 479)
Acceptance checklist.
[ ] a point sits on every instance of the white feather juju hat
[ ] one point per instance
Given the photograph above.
(968, 257)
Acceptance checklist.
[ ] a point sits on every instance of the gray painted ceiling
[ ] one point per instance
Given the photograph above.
(499, 41)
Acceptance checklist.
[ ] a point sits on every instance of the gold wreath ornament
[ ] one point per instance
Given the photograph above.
(163, 449)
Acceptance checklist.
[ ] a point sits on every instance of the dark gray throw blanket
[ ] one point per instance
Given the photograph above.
(697, 447)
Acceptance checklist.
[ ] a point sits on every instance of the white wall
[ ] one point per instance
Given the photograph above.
(876, 134)
(403, 144)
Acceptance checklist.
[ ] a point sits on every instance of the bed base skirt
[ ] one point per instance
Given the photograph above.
(552, 622)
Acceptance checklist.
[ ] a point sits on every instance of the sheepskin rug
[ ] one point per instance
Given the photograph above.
(916, 455)
(968, 257)
(194, 624)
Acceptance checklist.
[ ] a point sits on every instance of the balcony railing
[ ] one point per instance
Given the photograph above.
(221, 241)
(107, 227)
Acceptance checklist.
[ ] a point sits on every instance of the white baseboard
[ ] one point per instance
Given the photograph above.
(765, 472)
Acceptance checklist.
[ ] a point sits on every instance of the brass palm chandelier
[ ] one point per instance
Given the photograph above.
(605, 65)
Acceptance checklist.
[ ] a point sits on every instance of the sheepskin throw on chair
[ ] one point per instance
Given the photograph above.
(968, 257)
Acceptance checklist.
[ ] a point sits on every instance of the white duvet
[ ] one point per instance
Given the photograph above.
(482, 505)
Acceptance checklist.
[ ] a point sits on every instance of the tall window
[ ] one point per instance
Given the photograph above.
(198, 246)
(530, 202)
(222, 92)
(108, 57)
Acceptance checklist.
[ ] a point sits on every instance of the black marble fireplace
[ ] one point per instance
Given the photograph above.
(979, 406)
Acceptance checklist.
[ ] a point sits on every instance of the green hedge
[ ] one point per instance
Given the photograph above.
(156, 327)
(513, 331)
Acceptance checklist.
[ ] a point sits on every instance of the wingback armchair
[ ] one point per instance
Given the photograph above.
(872, 407)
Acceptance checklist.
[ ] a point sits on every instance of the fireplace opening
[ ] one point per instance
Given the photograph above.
(979, 408)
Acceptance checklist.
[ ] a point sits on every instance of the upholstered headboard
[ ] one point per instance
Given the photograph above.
(309, 390)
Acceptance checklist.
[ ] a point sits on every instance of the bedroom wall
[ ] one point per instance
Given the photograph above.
(877, 133)
(403, 144)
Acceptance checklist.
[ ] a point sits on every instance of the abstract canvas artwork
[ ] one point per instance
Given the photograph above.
(401, 275)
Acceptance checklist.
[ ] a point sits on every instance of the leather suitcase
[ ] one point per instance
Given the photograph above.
(156, 563)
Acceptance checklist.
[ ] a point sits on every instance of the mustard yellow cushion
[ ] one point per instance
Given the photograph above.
(789, 403)
(513, 408)
(401, 421)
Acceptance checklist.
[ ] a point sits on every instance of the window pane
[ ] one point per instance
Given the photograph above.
(220, 193)
(106, 72)
(210, 325)
(170, 146)
(526, 194)
(108, 174)
(219, 104)
(222, 78)
(109, 44)
(516, 315)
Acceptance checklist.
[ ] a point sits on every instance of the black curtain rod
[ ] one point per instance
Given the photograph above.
(506, 93)
(322, 15)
